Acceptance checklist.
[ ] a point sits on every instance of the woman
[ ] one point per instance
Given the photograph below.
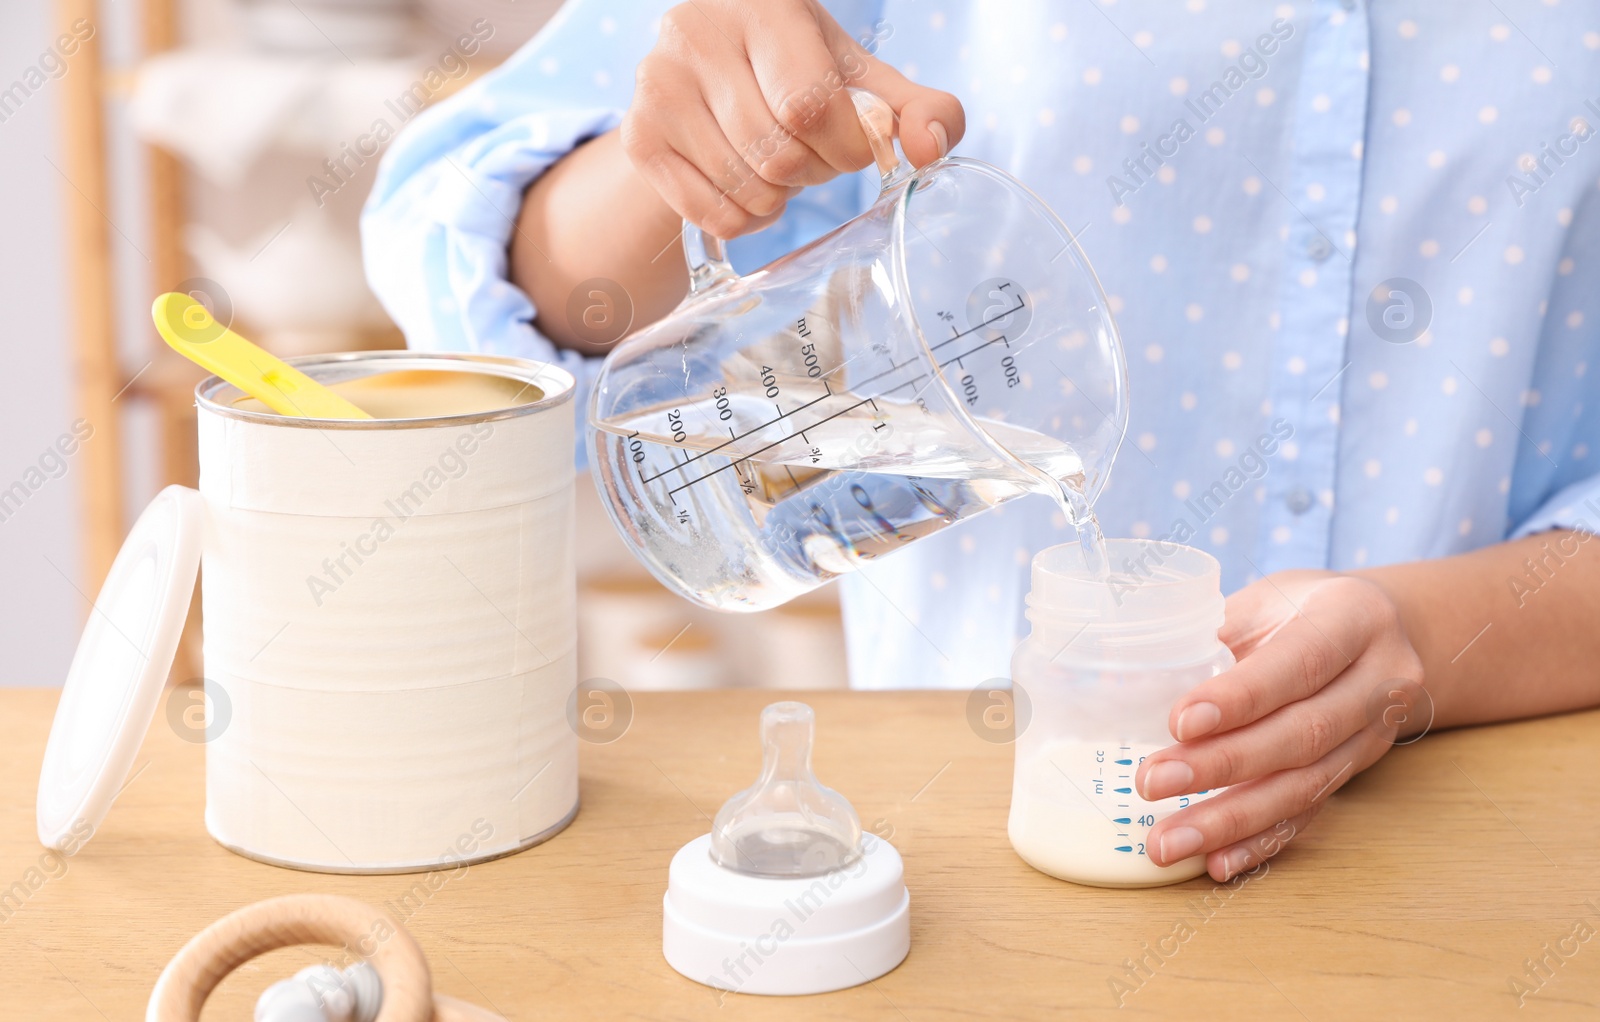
(1347, 249)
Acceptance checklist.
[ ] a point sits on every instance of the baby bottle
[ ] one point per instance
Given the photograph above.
(1100, 670)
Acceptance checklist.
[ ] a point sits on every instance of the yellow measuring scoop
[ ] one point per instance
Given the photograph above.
(190, 329)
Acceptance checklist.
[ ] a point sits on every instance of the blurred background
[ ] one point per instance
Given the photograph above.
(227, 146)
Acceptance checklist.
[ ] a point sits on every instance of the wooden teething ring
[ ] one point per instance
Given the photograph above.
(228, 943)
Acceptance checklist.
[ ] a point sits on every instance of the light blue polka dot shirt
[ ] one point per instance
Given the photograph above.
(1373, 227)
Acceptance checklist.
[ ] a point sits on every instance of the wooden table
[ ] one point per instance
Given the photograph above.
(1419, 892)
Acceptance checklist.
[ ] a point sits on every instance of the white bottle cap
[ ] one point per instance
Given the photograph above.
(786, 895)
(789, 935)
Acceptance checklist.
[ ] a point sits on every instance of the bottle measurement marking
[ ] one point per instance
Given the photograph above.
(672, 492)
(1124, 761)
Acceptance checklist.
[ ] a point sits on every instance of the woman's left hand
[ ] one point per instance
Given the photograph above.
(1326, 680)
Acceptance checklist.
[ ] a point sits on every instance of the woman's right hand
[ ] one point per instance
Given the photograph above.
(740, 105)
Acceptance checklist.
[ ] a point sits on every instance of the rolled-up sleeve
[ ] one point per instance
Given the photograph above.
(1556, 481)
(1575, 507)
(437, 226)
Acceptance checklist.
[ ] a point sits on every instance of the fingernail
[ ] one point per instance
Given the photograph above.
(1179, 843)
(1169, 777)
(1234, 861)
(941, 138)
(1199, 719)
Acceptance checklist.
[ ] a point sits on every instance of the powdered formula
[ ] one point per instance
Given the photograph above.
(425, 393)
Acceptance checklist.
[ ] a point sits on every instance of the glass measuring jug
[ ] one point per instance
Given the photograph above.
(944, 352)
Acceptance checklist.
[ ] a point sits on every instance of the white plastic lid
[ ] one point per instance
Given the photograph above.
(786, 935)
(119, 670)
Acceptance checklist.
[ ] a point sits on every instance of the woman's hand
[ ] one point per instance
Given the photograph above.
(1327, 678)
(740, 104)
(737, 107)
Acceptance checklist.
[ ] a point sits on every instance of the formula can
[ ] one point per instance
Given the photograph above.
(389, 626)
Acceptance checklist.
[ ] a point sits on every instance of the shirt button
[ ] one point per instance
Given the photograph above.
(1298, 500)
(1319, 249)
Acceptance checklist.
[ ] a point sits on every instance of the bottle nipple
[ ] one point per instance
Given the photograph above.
(786, 824)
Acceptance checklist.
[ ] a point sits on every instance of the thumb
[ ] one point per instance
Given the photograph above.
(931, 121)
(1252, 614)
(1255, 613)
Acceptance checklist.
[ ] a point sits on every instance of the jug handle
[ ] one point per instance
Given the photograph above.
(707, 255)
(707, 258)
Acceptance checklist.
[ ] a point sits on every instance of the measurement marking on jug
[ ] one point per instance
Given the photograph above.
(968, 354)
(639, 451)
(1021, 304)
(893, 368)
(768, 447)
(747, 477)
(857, 385)
(808, 352)
(683, 513)
(909, 383)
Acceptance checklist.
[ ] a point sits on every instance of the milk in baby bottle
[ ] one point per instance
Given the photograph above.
(1101, 668)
